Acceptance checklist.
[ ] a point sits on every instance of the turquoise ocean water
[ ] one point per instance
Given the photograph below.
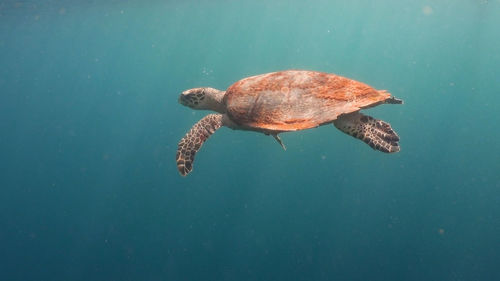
(89, 125)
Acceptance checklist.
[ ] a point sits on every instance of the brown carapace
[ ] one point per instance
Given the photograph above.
(285, 101)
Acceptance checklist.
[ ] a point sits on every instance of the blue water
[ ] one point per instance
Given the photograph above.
(89, 126)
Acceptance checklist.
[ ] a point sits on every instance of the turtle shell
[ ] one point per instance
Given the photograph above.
(295, 100)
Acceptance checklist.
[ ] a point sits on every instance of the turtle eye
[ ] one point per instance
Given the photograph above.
(200, 96)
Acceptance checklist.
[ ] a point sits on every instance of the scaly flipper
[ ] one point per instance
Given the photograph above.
(376, 133)
(194, 139)
(394, 100)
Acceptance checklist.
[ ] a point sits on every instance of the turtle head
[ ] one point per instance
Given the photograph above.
(203, 98)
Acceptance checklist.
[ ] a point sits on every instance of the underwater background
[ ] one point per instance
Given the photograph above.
(89, 126)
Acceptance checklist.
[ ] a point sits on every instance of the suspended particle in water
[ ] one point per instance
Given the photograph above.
(441, 231)
(207, 71)
(427, 10)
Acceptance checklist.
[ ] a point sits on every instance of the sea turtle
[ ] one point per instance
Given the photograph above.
(286, 101)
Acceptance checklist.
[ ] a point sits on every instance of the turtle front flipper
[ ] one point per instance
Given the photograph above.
(376, 133)
(194, 139)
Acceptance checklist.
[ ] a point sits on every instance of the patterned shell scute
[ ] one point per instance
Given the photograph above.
(296, 100)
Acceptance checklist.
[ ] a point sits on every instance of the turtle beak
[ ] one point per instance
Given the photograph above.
(182, 99)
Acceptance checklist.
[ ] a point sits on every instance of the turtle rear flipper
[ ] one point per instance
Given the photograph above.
(194, 139)
(376, 133)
